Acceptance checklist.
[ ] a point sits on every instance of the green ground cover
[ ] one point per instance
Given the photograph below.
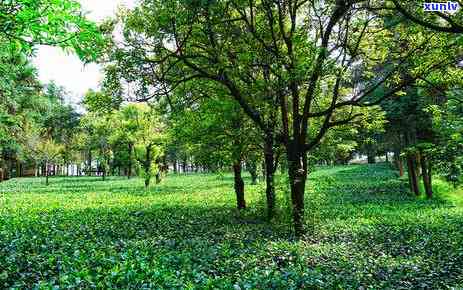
(365, 231)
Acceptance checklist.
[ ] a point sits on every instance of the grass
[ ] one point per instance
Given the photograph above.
(367, 232)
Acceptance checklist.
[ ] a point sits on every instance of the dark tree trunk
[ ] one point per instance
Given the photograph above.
(7, 169)
(263, 170)
(269, 176)
(412, 176)
(251, 166)
(400, 164)
(47, 173)
(147, 166)
(239, 186)
(18, 169)
(158, 178)
(175, 166)
(129, 169)
(371, 158)
(426, 173)
(297, 171)
(184, 167)
(89, 163)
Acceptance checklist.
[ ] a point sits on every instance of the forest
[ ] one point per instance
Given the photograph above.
(234, 144)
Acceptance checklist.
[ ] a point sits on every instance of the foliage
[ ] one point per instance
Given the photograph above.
(50, 22)
(296, 69)
(148, 138)
(100, 102)
(83, 233)
(40, 147)
(449, 125)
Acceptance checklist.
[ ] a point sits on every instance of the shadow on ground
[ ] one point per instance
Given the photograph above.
(186, 233)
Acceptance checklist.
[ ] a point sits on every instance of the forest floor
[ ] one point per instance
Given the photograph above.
(365, 231)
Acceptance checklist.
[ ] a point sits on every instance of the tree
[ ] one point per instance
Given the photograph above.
(98, 128)
(438, 21)
(125, 135)
(447, 150)
(40, 147)
(218, 135)
(60, 119)
(25, 24)
(50, 22)
(20, 99)
(308, 49)
(146, 134)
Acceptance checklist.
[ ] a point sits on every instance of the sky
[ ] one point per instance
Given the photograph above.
(66, 69)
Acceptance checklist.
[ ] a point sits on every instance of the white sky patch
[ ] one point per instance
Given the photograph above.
(66, 69)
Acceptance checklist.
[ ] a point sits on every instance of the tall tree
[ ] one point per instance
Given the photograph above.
(40, 146)
(150, 138)
(308, 49)
(218, 135)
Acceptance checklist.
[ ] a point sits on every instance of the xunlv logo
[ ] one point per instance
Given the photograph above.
(442, 7)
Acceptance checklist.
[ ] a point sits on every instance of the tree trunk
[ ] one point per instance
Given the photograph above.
(47, 173)
(269, 176)
(418, 165)
(239, 186)
(175, 166)
(147, 166)
(184, 166)
(371, 158)
(297, 171)
(7, 172)
(426, 173)
(253, 172)
(400, 164)
(412, 176)
(251, 166)
(89, 163)
(263, 170)
(158, 177)
(18, 168)
(129, 169)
